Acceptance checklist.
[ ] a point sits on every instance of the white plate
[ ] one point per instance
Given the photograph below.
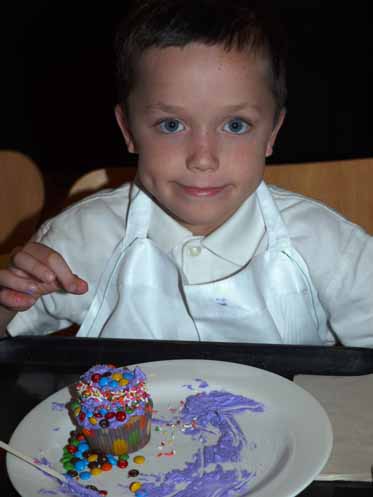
(288, 443)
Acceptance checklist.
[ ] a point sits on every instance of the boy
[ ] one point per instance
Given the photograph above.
(199, 248)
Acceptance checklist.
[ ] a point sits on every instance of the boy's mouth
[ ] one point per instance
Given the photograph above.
(207, 191)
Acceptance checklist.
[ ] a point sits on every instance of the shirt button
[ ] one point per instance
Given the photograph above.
(194, 251)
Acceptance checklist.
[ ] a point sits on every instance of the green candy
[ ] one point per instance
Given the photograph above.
(123, 457)
(68, 465)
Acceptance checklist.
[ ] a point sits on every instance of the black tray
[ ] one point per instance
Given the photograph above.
(32, 368)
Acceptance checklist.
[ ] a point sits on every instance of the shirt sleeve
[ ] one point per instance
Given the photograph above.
(85, 235)
(339, 255)
(349, 295)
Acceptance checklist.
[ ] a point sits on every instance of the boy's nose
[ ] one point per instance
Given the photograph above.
(202, 156)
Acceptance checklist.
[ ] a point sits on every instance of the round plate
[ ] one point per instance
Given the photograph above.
(287, 444)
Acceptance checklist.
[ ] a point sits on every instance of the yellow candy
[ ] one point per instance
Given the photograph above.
(135, 486)
(139, 459)
(96, 471)
(117, 376)
(77, 411)
(93, 458)
(93, 421)
(123, 382)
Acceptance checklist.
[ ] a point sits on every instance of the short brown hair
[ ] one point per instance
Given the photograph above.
(239, 24)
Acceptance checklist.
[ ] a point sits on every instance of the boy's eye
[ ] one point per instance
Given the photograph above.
(171, 126)
(237, 126)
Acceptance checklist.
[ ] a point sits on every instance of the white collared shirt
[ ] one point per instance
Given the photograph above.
(216, 256)
(338, 254)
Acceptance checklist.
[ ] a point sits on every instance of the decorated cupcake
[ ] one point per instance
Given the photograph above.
(113, 409)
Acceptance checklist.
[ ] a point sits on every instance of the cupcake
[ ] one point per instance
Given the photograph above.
(113, 409)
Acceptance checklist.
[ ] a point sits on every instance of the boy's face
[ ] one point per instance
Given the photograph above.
(202, 121)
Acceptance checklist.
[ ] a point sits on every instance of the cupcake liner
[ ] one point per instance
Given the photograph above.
(129, 437)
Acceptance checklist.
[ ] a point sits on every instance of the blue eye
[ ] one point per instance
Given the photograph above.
(237, 126)
(171, 126)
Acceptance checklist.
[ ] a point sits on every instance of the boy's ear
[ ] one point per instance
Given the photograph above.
(275, 131)
(123, 124)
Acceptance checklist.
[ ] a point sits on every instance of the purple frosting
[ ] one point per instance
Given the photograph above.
(91, 403)
(205, 475)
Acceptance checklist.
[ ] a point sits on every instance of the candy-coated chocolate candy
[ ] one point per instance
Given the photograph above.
(85, 475)
(103, 411)
(74, 441)
(128, 375)
(113, 384)
(93, 420)
(80, 465)
(106, 466)
(87, 432)
(129, 410)
(87, 453)
(82, 416)
(133, 472)
(139, 459)
(112, 460)
(92, 457)
(79, 454)
(95, 377)
(104, 423)
(103, 382)
(83, 446)
(110, 415)
(80, 437)
(93, 464)
(68, 466)
(92, 487)
(123, 382)
(121, 415)
(96, 471)
(97, 414)
(122, 464)
(72, 449)
(117, 376)
(66, 458)
(103, 493)
(102, 459)
(123, 457)
(107, 374)
(136, 485)
(72, 473)
(76, 412)
(141, 493)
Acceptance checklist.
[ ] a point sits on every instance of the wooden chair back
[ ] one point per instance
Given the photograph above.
(344, 185)
(21, 199)
(98, 179)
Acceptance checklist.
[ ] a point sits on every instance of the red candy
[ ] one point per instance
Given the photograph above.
(71, 448)
(81, 438)
(82, 416)
(103, 492)
(106, 466)
(121, 416)
(95, 378)
(122, 464)
(110, 415)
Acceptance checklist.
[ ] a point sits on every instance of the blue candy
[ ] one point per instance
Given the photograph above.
(140, 493)
(103, 382)
(82, 447)
(85, 475)
(80, 465)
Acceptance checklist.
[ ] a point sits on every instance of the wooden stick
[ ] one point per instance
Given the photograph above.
(24, 457)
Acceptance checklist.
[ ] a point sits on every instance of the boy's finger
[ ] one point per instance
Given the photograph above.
(12, 281)
(15, 301)
(55, 265)
(29, 264)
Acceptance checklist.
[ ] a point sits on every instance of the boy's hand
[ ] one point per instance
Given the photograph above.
(36, 270)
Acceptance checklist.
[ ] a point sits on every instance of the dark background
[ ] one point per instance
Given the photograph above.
(58, 92)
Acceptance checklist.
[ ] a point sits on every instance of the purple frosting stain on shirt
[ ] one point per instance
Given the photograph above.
(205, 474)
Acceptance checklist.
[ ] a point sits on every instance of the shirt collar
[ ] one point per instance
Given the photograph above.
(235, 241)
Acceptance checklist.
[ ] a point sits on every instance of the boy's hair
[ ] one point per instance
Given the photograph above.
(235, 24)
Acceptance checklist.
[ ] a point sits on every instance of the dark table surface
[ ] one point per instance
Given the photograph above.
(47, 364)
